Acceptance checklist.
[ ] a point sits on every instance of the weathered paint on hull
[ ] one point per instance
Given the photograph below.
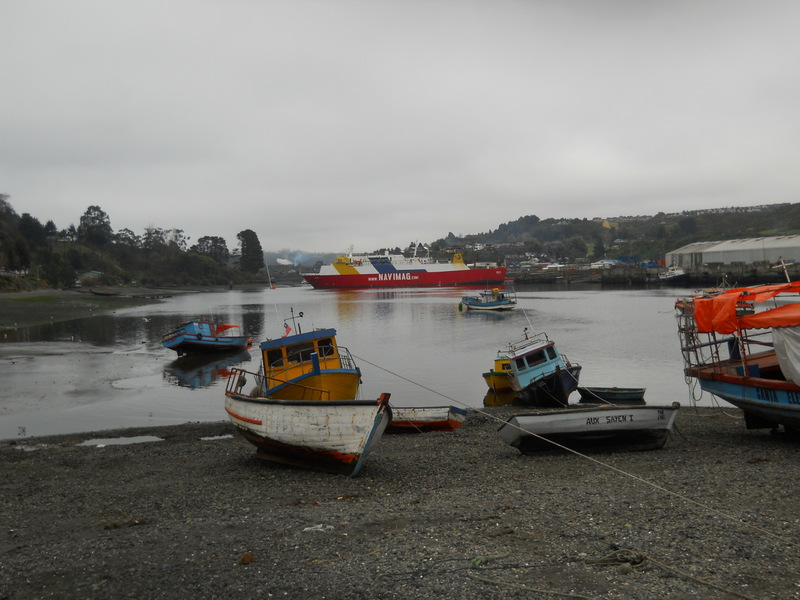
(409, 278)
(767, 402)
(426, 419)
(331, 436)
(633, 427)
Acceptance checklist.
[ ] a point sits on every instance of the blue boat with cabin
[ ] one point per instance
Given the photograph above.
(540, 375)
(494, 299)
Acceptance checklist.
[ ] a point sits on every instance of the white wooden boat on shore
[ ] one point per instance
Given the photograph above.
(594, 427)
(304, 408)
(328, 435)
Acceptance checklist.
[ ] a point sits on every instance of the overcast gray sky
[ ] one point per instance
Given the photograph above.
(325, 124)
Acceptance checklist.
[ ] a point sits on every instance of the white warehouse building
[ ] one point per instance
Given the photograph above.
(728, 252)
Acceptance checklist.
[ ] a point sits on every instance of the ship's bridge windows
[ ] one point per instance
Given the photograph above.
(275, 357)
(325, 347)
(300, 352)
(551, 352)
(520, 363)
(535, 358)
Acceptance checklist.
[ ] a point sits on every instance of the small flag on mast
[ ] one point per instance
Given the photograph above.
(287, 329)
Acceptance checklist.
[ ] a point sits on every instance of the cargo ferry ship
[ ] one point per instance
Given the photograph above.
(397, 270)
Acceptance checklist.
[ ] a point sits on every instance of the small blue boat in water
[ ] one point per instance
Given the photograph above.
(195, 337)
(494, 299)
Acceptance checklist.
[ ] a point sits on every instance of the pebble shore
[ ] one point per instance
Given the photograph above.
(439, 515)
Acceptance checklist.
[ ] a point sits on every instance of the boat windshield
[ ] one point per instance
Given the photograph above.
(298, 353)
(536, 358)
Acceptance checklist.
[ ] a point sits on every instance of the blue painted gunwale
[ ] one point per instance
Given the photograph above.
(771, 400)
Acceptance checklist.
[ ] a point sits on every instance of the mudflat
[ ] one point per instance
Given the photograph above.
(20, 309)
(193, 513)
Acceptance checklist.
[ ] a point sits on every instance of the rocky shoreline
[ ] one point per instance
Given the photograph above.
(437, 515)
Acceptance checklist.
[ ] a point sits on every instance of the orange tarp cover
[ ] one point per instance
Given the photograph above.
(718, 313)
(787, 315)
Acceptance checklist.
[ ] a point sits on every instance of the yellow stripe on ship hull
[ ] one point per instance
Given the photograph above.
(344, 267)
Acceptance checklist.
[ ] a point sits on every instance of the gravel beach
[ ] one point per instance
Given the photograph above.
(437, 515)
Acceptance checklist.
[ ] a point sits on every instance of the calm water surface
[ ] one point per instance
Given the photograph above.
(110, 371)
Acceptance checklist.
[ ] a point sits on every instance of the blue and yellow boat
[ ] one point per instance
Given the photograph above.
(540, 375)
(308, 366)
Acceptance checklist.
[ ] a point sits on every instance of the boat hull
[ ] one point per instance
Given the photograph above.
(552, 390)
(497, 381)
(333, 437)
(602, 427)
(409, 278)
(614, 395)
(425, 419)
(186, 344)
(766, 403)
(203, 337)
(490, 306)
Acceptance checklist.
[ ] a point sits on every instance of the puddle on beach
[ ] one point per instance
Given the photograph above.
(121, 441)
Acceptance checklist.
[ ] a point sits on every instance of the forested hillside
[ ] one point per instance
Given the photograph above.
(634, 238)
(43, 254)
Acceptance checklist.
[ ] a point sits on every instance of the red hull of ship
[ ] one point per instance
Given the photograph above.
(410, 279)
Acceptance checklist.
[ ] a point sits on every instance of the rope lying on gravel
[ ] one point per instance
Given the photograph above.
(596, 461)
(618, 557)
(638, 559)
(476, 562)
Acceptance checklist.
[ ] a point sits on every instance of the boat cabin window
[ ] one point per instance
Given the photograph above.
(520, 362)
(300, 352)
(275, 357)
(551, 352)
(535, 358)
(325, 347)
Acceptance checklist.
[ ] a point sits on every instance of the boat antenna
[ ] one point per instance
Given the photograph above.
(293, 319)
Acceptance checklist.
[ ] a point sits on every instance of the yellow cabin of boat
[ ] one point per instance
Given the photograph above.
(311, 369)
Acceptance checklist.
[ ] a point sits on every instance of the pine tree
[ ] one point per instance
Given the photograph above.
(252, 256)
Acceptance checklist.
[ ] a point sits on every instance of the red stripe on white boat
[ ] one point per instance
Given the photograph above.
(241, 418)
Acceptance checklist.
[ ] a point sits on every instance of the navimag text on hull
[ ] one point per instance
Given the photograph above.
(397, 270)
